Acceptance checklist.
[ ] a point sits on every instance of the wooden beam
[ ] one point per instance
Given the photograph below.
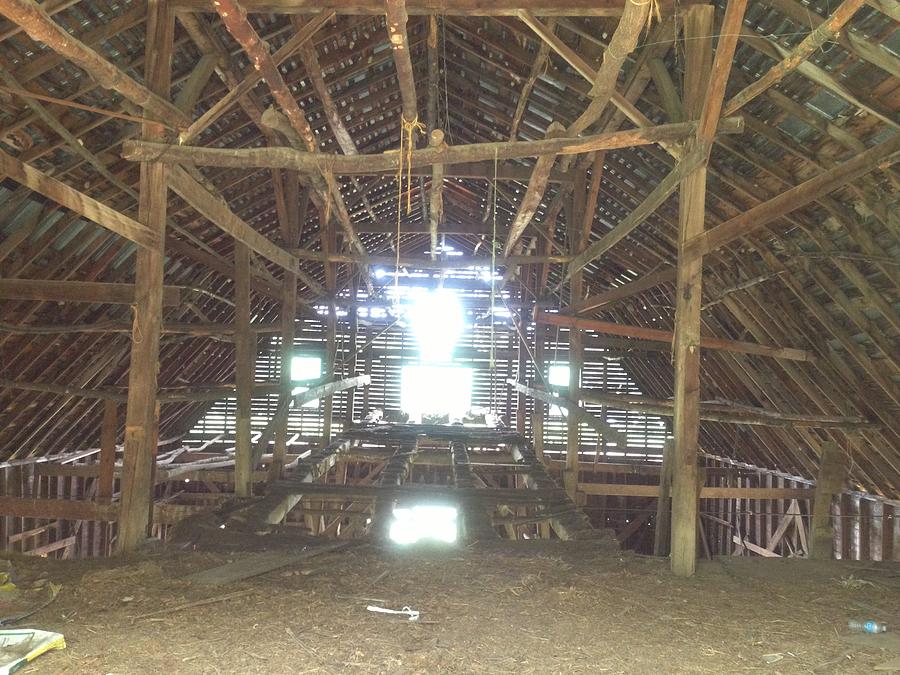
(706, 492)
(628, 290)
(686, 342)
(436, 195)
(729, 414)
(432, 7)
(880, 156)
(396, 25)
(76, 201)
(245, 357)
(141, 421)
(573, 409)
(58, 509)
(312, 163)
(663, 524)
(108, 433)
(50, 290)
(216, 210)
(833, 468)
(823, 33)
(41, 28)
(623, 42)
(233, 94)
(789, 353)
(534, 193)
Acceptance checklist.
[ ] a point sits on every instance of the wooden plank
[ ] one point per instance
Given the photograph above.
(50, 290)
(216, 210)
(260, 563)
(57, 509)
(141, 420)
(107, 467)
(663, 523)
(78, 202)
(657, 335)
(706, 492)
(833, 469)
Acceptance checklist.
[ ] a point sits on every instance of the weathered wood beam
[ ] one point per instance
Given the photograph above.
(396, 25)
(705, 492)
(313, 163)
(573, 409)
(233, 94)
(882, 155)
(788, 353)
(534, 193)
(80, 291)
(833, 468)
(245, 359)
(537, 69)
(436, 194)
(77, 201)
(729, 414)
(216, 210)
(58, 509)
(108, 433)
(628, 290)
(431, 7)
(622, 43)
(113, 326)
(141, 419)
(823, 33)
(41, 28)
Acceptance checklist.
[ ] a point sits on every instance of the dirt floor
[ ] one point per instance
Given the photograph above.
(531, 607)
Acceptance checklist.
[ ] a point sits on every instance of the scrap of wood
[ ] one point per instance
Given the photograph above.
(260, 564)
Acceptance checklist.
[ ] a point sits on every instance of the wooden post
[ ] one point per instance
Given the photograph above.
(108, 451)
(330, 346)
(137, 482)
(244, 353)
(290, 231)
(662, 532)
(698, 58)
(888, 529)
(832, 473)
(537, 416)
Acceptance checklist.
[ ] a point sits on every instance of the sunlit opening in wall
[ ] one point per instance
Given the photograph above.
(435, 390)
(424, 523)
(436, 318)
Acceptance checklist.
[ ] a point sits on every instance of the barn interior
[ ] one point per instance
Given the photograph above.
(450, 335)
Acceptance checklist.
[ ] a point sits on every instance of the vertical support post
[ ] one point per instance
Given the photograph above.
(662, 532)
(522, 362)
(108, 450)
(137, 482)
(832, 472)
(575, 222)
(330, 348)
(537, 415)
(685, 493)
(352, 356)
(888, 530)
(244, 352)
(290, 232)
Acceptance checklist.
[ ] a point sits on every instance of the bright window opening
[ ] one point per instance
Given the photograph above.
(430, 522)
(558, 375)
(435, 390)
(306, 369)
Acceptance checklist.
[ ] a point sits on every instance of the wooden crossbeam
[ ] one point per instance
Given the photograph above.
(628, 290)
(706, 492)
(882, 155)
(77, 201)
(41, 28)
(79, 291)
(313, 163)
(789, 353)
(432, 7)
(396, 26)
(217, 211)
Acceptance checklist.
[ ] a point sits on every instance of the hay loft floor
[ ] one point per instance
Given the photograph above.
(530, 607)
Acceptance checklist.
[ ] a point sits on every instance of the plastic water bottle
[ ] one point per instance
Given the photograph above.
(867, 626)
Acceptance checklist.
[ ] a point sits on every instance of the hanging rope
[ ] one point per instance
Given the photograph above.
(408, 130)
